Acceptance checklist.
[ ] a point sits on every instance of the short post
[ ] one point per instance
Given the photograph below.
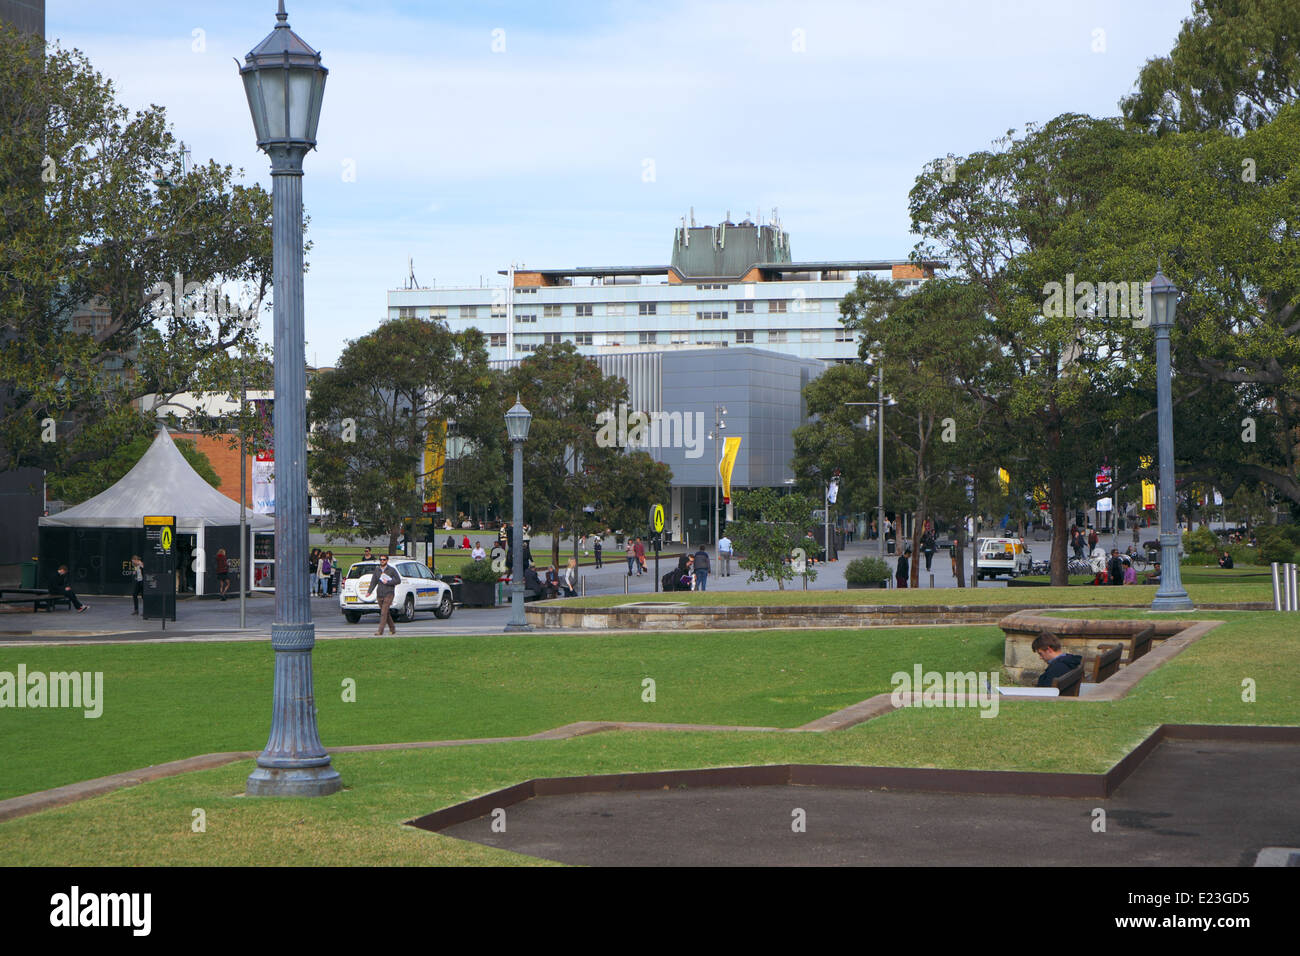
(1277, 588)
(931, 580)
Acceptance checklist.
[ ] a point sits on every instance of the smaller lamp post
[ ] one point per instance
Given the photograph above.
(518, 419)
(1171, 596)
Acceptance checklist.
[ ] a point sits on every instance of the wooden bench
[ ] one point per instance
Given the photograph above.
(1106, 663)
(1067, 685)
(37, 601)
(1141, 642)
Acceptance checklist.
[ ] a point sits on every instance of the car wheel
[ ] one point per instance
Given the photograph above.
(408, 608)
(445, 606)
(352, 617)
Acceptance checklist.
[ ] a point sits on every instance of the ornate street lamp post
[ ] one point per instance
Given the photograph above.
(1170, 596)
(284, 81)
(517, 421)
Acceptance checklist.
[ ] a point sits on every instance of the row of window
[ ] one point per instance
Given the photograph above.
(498, 310)
(497, 340)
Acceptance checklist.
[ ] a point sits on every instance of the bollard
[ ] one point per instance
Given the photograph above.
(805, 582)
(626, 578)
(584, 585)
(1277, 591)
(1295, 593)
(931, 580)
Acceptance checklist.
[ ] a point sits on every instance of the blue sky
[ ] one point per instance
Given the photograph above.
(567, 134)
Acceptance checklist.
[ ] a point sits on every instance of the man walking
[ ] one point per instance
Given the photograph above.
(598, 547)
(638, 551)
(386, 579)
(724, 556)
(701, 569)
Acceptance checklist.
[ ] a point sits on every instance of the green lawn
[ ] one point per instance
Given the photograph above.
(1217, 592)
(151, 824)
(166, 702)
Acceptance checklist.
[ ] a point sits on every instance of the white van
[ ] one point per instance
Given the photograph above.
(1002, 556)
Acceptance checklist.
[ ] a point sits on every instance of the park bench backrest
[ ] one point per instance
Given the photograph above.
(1106, 662)
(1142, 642)
(1068, 683)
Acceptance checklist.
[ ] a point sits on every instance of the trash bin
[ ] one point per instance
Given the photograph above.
(29, 573)
(889, 545)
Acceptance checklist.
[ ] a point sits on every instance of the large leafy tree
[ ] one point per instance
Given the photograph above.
(372, 417)
(85, 227)
(1235, 64)
(568, 469)
(1013, 221)
(935, 346)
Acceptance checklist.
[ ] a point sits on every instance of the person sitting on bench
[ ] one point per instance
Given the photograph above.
(1048, 648)
(63, 586)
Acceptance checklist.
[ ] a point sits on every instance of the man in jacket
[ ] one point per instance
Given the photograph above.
(1048, 648)
(386, 579)
(1115, 567)
(701, 569)
(638, 550)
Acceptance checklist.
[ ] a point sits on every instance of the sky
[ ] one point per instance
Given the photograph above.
(467, 136)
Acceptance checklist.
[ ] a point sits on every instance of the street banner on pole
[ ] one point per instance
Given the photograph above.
(730, 449)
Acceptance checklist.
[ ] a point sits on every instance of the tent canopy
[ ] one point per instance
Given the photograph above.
(161, 483)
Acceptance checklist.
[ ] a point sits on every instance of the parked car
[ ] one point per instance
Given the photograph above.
(1002, 556)
(419, 591)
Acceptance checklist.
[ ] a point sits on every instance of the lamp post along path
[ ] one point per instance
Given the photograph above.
(1171, 596)
(284, 82)
(518, 420)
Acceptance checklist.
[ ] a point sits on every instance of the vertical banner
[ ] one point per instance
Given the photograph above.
(435, 461)
(1004, 481)
(1148, 487)
(730, 449)
(264, 483)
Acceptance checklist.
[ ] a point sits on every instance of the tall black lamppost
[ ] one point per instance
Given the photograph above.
(284, 81)
(517, 421)
(1171, 595)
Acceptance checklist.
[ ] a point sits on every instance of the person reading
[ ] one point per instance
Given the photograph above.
(1048, 648)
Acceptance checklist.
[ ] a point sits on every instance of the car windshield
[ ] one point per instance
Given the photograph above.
(357, 570)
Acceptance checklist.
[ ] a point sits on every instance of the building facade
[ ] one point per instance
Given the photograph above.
(733, 284)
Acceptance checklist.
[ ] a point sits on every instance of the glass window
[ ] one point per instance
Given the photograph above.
(681, 308)
(582, 309)
(551, 311)
(615, 308)
(776, 305)
(647, 308)
(647, 338)
(497, 340)
(776, 335)
(744, 307)
(744, 337)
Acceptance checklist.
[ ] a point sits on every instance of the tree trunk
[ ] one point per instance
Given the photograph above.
(959, 549)
(1060, 533)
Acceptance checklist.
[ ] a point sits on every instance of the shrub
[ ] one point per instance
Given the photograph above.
(1201, 540)
(478, 572)
(866, 571)
(1275, 545)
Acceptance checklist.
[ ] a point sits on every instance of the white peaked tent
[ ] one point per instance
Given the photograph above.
(161, 483)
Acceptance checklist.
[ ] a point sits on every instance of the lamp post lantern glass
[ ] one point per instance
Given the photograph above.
(1170, 596)
(518, 420)
(284, 81)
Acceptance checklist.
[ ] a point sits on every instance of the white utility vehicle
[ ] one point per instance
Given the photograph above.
(1002, 556)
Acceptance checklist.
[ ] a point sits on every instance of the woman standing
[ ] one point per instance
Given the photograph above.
(902, 573)
(571, 578)
(223, 572)
(137, 583)
(324, 571)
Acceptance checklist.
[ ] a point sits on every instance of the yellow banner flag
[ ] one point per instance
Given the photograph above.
(1148, 487)
(730, 449)
(435, 459)
(1004, 480)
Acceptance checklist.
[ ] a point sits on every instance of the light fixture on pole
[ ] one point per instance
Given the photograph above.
(518, 420)
(284, 82)
(719, 426)
(1171, 596)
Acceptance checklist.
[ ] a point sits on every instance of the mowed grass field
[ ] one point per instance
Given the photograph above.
(165, 702)
(796, 676)
(1219, 590)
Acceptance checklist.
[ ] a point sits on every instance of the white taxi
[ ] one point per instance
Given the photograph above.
(419, 591)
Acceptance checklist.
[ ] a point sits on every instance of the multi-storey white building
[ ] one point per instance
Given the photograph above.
(731, 284)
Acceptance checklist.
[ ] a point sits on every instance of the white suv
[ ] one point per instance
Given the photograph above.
(419, 591)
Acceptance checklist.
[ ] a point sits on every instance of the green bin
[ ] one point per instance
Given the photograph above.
(29, 574)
